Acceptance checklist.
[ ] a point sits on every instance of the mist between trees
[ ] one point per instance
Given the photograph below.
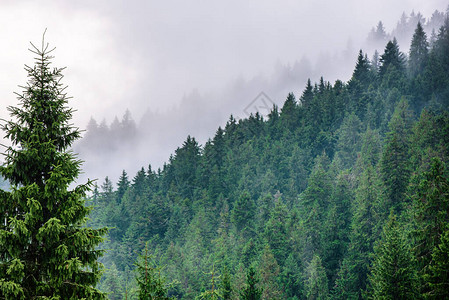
(341, 192)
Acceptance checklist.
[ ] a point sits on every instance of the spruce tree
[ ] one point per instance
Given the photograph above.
(354, 269)
(269, 272)
(393, 275)
(431, 212)
(419, 50)
(316, 283)
(392, 56)
(392, 69)
(288, 112)
(243, 213)
(45, 251)
(251, 291)
(307, 94)
(214, 293)
(394, 164)
(439, 270)
(226, 285)
(122, 186)
(151, 284)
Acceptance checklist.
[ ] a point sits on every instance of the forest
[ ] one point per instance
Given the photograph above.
(324, 199)
(341, 193)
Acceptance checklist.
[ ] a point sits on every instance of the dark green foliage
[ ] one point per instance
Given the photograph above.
(226, 285)
(344, 288)
(349, 140)
(151, 284)
(393, 274)
(276, 233)
(439, 270)
(391, 58)
(419, 51)
(181, 174)
(290, 278)
(214, 292)
(392, 70)
(361, 79)
(354, 269)
(316, 285)
(314, 200)
(432, 216)
(307, 94)
(269, 272)
(337, 229)
(288, 112)
(362, 70)
(45, 250)
(251, 291)
(244, 213)
(122, 186)
(395, 159)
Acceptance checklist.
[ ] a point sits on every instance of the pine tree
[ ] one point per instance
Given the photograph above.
(288, 112)
(349, 140)
(276, 232)
(307, 94)
(151, 284)
(106, 191)
(394, 165)
(112, 284)
(290, 278)
(353, 272)
(316, 280)
(438, 277)
(122, 186)
(215, 292)
(269, 272)
(314, 200)
(45, 252)
(419, 50)
(251, 291)
(378, 34)
(337, 224)
(392, 66)
(344, 288)
(393, 274)
(243, 214)
(226, 285)
(431, 216)
(362, 75)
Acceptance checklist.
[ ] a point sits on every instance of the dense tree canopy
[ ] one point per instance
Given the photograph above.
(340, 193)
(301, 200)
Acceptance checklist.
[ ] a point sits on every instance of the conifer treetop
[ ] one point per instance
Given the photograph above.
(46, 252)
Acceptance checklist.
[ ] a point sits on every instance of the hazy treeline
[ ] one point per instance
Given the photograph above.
(199, 113)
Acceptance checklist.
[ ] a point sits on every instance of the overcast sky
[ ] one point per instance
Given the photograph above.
(149, 54)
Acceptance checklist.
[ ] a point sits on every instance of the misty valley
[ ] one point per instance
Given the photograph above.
(340, 192)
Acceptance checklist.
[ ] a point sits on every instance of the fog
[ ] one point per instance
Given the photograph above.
(183, 67)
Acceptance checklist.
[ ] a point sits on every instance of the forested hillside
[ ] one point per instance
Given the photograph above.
(111, 145)
(341, 193)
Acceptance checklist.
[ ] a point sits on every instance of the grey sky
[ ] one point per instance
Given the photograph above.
(149, 54)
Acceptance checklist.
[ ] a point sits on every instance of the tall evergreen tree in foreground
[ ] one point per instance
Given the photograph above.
(45, 252)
